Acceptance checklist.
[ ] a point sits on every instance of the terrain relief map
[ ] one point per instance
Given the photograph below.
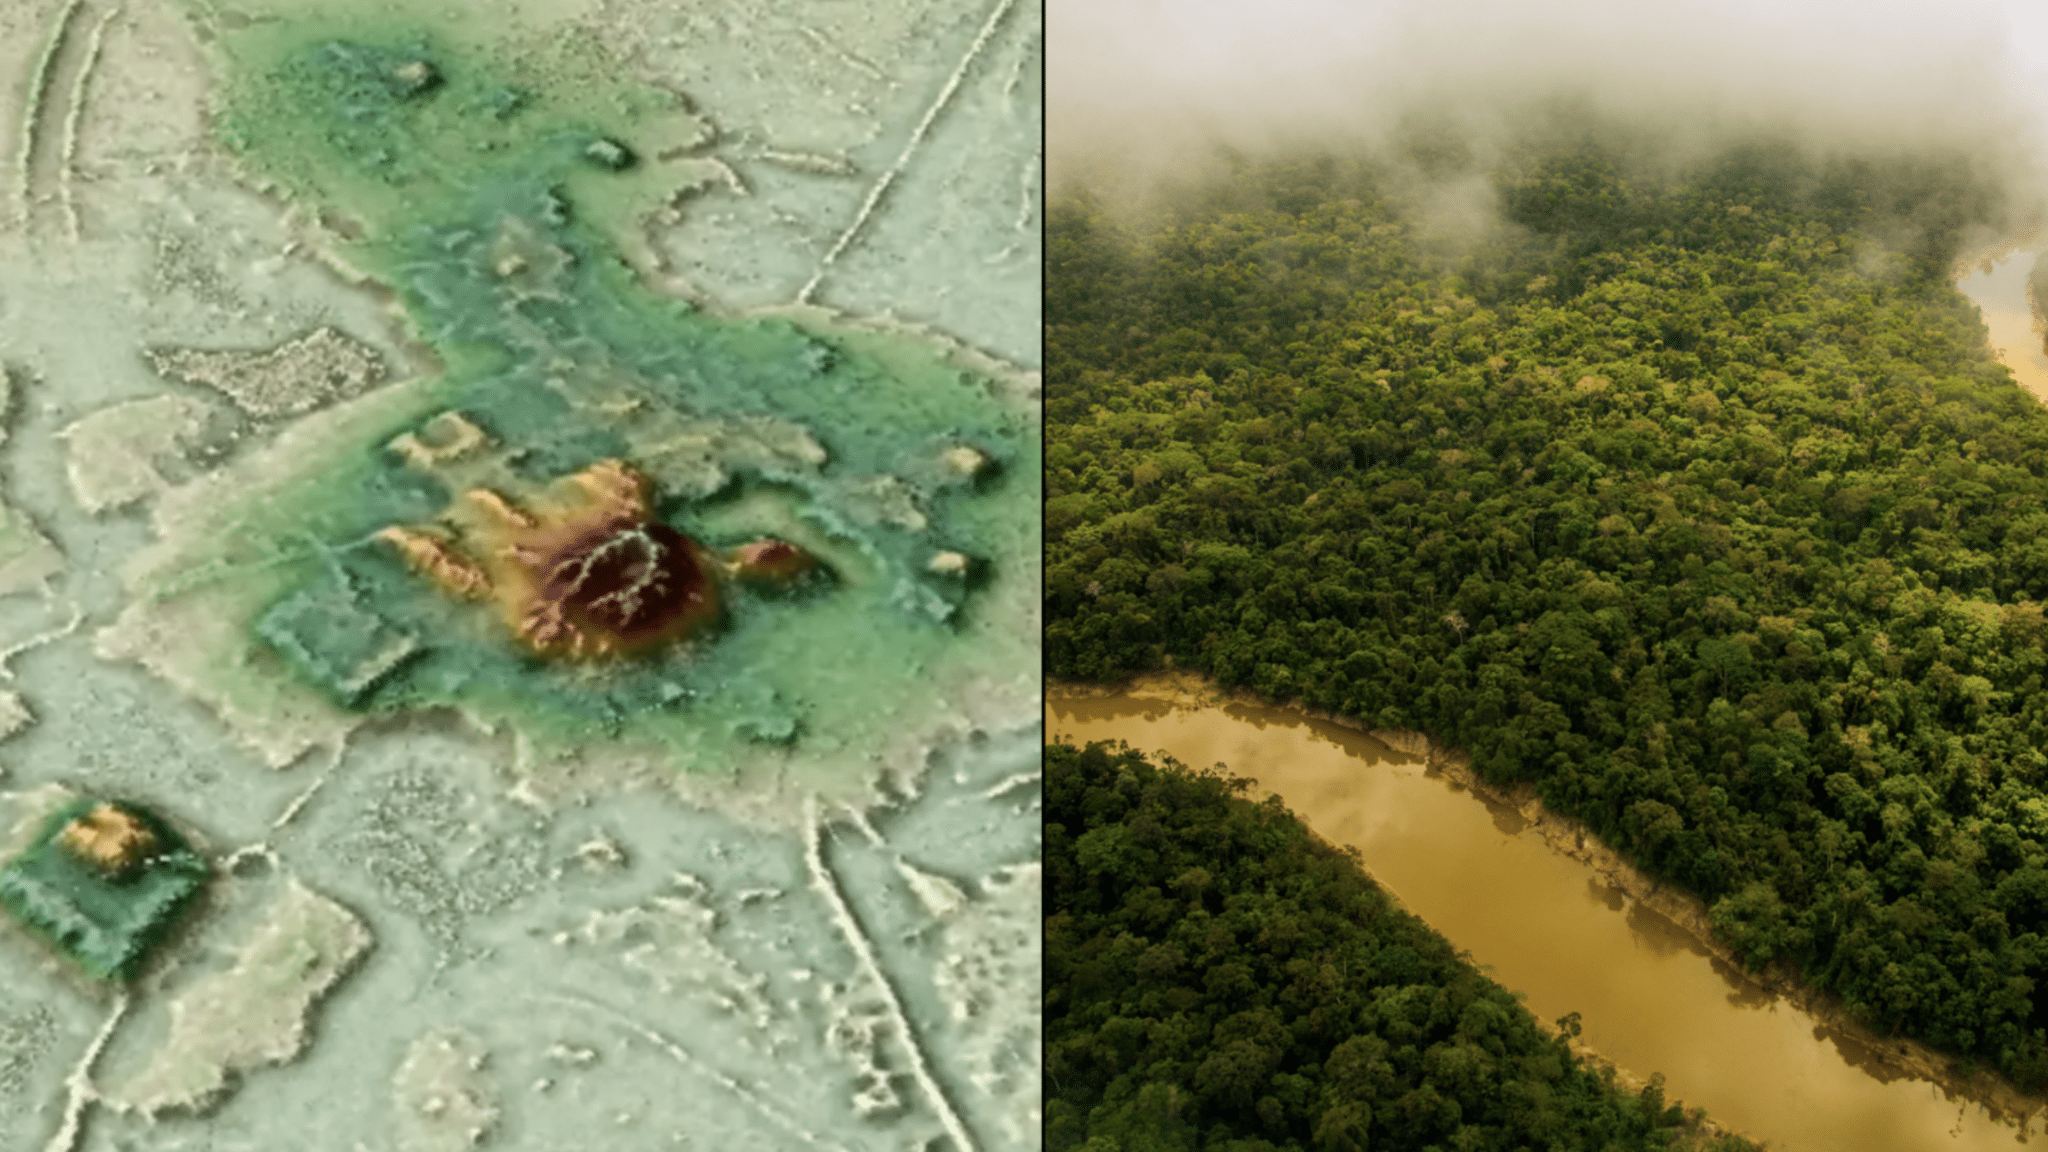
(519, 575)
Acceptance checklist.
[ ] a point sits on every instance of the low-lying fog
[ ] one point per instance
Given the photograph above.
(1142, 88)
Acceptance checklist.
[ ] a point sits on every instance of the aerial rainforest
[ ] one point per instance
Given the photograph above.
(1689, 491)
(1218, 977)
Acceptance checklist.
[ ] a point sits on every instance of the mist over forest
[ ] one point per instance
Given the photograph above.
(1142, 92)
(1588, 389)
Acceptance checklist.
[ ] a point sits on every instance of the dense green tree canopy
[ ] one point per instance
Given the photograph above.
(1218, 978)
(1693, 495)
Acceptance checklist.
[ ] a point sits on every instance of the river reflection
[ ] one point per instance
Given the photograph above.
(1546, 927)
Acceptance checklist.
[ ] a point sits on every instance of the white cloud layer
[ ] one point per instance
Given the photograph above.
(1146, 83)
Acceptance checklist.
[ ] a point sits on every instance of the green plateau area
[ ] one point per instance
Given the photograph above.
(105, 925)
(1692, 495)
(488, 186)
(1218, 977)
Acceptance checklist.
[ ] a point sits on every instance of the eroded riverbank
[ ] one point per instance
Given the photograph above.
(1566, 922)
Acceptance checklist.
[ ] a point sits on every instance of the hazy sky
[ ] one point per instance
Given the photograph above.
(1141, 80)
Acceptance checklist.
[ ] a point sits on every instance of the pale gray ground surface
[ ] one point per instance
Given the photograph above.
(426, 959)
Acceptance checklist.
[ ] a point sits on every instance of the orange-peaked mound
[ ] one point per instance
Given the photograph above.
(587, 573)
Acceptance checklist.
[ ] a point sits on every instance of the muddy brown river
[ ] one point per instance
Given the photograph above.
(2000, 293)
(1549, 928)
